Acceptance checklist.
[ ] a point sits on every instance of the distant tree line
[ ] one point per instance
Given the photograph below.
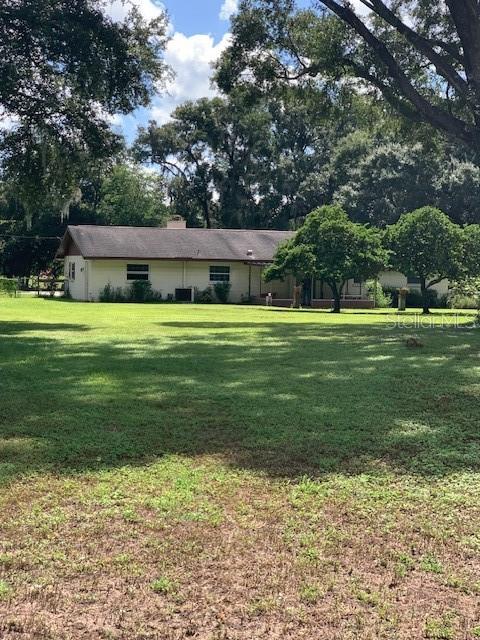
(248, 160)
(314, 107)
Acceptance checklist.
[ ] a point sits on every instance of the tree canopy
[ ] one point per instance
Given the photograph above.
(332, 248)
(131, 196)
(427, 244)
(65, 68)
(422, 57)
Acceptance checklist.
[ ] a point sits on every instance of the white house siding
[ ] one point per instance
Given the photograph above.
(77, 287)
(168, 275)
(396, 280)
(91, 276)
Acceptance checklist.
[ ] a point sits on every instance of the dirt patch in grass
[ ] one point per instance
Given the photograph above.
(278, 560)
(235, 473)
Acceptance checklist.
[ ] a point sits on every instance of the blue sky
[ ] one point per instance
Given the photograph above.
(199, 16)
(199, 33)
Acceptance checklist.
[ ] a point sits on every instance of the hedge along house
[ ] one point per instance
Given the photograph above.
(178, 261)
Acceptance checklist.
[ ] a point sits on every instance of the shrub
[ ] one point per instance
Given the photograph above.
(465, 294)
(8, 286)
(376, 292)
(222, 291)
(140, 291)
(204, 296)
(110, 294)
(459, 301)
(414, 297)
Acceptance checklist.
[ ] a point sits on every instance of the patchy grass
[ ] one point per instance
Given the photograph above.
(4, 590)
(164, 585)
(183, 471)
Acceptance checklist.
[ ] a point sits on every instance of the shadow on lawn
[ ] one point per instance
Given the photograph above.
(288, 399)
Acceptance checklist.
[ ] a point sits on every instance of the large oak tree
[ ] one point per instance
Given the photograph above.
(422, 56)
(65, 68)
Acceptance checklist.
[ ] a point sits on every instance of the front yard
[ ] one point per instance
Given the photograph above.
(172, 471)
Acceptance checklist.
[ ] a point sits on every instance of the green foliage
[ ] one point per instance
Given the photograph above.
(205, 296)
(330, 247)
(137, 291)
(112, 294)
(426, 244)
(5, 590)
(290, 258)
(8, 286)
(140, 291)
(164, 586)
(465, 294)
(431, 564)
(376, 292)
(85, 68)
(374, 189)
(265, 159)
(310, 593)
(412, 64)
(213, 148)
(440, 628)
(222, 291)
(131, 196)
(471, 247)
(415, 298)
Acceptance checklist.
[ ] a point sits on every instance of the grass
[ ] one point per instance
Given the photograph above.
(203, 471)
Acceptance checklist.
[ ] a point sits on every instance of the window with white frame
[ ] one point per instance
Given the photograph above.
(219, 274)
(71, 270)
(138, 271)
(411, 279)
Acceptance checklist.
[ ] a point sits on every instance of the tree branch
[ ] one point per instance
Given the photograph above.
(442, 66)
(433, 114)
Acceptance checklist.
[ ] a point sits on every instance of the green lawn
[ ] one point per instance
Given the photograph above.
(172, 471)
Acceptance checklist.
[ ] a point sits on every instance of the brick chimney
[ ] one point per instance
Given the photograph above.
(177, 222)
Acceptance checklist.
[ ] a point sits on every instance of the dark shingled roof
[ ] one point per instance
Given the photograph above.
(154, 243)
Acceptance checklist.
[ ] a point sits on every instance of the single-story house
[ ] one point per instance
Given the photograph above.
(178, 260)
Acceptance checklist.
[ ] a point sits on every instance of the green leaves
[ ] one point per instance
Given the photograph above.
(130, 196)
(427, 244)
(332, 248)
(64, 68)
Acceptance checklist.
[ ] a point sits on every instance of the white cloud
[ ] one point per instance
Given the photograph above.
(191, 59)
(7, 121)
(228, 8)
(149, 9)
(360, 8)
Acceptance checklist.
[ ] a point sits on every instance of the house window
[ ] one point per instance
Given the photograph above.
(137, 271)
(357, 281)
(71, 270)
(413, 279)
(219, 274)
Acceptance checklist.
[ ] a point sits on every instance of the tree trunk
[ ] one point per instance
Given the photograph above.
(297, 292)
(206, 214)
(336, 292)
(424, 290)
